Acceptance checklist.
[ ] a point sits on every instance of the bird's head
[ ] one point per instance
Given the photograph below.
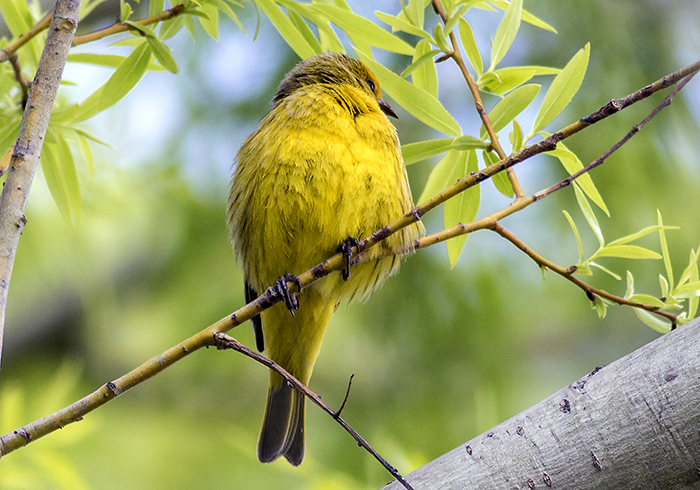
(332, 69)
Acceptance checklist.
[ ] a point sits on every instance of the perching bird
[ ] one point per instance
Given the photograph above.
(323, 169)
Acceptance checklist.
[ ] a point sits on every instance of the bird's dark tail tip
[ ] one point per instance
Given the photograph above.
(282, 431)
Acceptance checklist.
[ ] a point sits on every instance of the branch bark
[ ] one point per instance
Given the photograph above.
(631, 424)
(25, 157)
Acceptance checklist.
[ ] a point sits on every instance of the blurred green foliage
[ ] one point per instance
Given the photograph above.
(439, 354)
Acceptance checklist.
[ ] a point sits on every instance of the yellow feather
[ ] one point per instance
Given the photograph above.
(324, 165)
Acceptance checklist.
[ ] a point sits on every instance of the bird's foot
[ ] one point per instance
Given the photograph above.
(281, 289)
(346, 249)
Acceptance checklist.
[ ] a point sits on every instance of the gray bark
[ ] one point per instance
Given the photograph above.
(632, 424)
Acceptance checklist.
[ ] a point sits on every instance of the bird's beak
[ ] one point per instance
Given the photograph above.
(386, 108)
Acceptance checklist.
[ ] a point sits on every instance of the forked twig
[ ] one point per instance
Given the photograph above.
(223, 341)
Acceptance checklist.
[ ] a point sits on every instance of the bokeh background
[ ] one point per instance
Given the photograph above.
(439, 355)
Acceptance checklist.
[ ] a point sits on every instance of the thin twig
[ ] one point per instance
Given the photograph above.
(568, 274)
(456, 55)
(347, 394)
(119, 27)
(598, 161)
(223, 341)
(23, 83)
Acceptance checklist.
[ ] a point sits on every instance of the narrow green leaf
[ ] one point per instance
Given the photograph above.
(465, 142)
(640, 233)
(172, 26)
(664, 248)
(509, 107)
(124, 78)
(328, 39)
(463, 207)
(286, 28)
(415, 12)
(416, 152)
(653, 321)
(578, 237)
(630, 285)
(87, 153)
(604, 269)
(424, 75)
(588, 214)
(124, 11)
(500, 180)
(87, 135)
(516, 137)
(690, 290)
(627, 252)
(155, 7)
(162, 54)
(466, 35)
(454, 18)
(416, 101)
(664, 286)
(61, 176)
(304, 29)
(423, 58)
(223, 6)
(688, 272)
(357, 27)
(210, 23)
(527, 17)
(647, 299)
(572, 164)
(506, 32)
(440, 177)
(398, 24)
(504, 80)
(600, 307)
(441, 39)
(562, 90)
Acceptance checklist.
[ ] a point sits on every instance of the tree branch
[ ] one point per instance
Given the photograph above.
(568, 274)
(631, 424)
(120, 27)
(26, 152)
(223, 341)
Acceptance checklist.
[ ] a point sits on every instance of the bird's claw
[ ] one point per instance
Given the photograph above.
(346, 249)
(291, 301)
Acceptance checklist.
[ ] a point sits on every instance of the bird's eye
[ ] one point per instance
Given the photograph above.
(370, 84)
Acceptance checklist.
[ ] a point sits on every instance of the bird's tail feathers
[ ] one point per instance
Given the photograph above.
(282, 431)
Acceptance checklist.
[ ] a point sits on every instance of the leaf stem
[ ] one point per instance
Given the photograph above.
(480, 109)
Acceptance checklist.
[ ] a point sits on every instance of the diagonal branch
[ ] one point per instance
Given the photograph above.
(568, 274)
(223, 341)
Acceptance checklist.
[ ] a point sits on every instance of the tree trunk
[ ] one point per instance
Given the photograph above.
(632, 424)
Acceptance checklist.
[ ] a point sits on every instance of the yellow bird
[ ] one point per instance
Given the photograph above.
(323, 168)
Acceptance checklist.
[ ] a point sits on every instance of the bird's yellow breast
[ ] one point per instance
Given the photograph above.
(324, 165)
